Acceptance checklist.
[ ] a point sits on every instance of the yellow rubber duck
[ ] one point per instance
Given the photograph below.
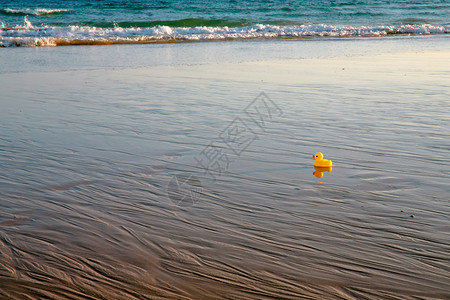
(321, 162)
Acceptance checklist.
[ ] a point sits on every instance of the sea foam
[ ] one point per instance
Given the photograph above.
(29, 35)
(34, 11)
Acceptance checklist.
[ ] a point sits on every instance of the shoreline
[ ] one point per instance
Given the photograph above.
(45, 36)
(24, 59)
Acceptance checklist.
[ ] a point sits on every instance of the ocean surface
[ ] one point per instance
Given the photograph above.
(53, 23)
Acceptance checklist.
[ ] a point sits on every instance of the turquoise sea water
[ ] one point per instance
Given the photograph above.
(43, 23)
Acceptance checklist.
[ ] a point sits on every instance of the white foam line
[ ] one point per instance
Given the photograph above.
(35, 11)
(29, 35)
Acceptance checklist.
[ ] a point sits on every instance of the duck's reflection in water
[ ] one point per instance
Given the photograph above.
(319, 171)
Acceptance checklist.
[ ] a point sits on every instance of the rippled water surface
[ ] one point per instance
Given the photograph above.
(146, 13)
(88, 156)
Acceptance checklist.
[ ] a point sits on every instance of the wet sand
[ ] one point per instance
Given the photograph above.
(102, 195)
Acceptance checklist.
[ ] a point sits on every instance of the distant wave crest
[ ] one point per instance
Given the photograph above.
(29, 35)
(33, 11)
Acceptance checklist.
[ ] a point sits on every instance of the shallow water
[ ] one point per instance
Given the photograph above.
(88, 156)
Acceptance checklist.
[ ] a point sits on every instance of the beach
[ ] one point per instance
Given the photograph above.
(153, 171)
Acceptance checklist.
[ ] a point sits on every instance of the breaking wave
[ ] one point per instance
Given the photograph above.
(29, 35)
(33, 11)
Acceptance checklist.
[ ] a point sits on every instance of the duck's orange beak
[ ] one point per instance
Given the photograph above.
(314, 156)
